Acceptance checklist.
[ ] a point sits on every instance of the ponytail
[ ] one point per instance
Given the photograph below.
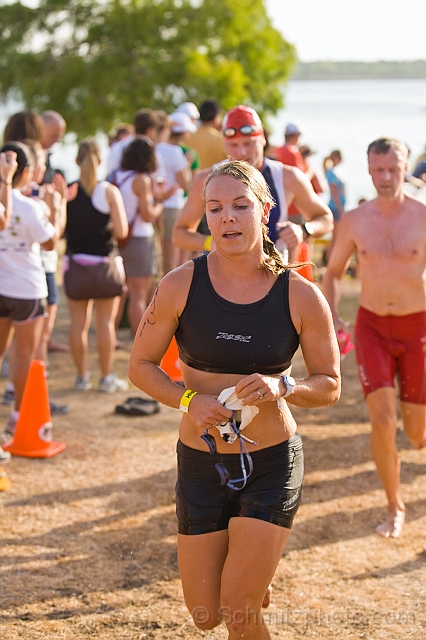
(88, 159)
(274, 261)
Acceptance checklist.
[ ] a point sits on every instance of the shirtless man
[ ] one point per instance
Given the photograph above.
(244, 140)
(389, 235)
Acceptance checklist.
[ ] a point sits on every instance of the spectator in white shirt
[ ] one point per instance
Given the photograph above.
(178, 171)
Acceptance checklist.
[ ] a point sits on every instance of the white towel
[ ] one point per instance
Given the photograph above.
(229, 398)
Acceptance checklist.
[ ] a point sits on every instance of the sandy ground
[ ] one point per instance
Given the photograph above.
(88, 537)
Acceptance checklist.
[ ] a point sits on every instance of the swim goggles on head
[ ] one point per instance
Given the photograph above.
(245, 130)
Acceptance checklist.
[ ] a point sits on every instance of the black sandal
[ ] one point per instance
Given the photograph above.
(138, 407)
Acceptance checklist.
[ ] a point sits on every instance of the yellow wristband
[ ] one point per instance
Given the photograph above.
(208, 243)
(185, 400)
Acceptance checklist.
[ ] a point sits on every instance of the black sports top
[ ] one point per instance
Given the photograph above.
(223, 337)
(87, 230)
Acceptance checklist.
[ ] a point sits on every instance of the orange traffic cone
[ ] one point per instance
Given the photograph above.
(33, 434)
(303, 256)
(5, 483)
(170, 362)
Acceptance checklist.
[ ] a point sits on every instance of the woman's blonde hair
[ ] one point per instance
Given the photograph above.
(88, 159)
(249, 175)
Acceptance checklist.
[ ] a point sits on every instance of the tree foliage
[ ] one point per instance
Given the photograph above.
(98, 62)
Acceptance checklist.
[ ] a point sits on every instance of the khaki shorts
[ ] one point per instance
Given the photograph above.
(169, 218)
(139, 257)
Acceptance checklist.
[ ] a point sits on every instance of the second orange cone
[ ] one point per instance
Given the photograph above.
(33, 434)
(303, 256)
(170, 362)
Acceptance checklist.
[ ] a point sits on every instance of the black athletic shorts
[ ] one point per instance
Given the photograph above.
(272, 493)
(20, 311)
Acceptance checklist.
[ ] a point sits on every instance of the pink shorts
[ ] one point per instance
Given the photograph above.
(392, 345)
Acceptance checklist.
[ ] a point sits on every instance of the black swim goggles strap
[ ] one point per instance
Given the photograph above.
(246, 462)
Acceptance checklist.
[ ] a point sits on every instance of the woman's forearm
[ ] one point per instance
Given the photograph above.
(318, 390)
(150, 378)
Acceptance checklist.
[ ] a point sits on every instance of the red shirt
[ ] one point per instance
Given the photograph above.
(289, 154)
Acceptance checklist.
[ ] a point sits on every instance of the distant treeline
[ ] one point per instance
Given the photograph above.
(350, 70)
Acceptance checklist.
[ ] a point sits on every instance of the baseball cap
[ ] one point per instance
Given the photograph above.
(242, 116)
(181, 123)
(190, 109)
(291, 129)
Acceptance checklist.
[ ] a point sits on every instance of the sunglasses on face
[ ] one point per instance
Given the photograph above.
(246, 130)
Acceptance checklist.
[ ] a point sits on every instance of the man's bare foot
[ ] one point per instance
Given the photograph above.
(54, 345)
(392, 526)
(267, 599)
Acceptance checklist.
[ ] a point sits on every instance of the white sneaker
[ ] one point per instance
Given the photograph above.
(82, 383)
(4, 456)
(10, 429)
(111, 384)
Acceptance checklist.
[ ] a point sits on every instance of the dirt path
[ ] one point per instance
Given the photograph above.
(88, 537)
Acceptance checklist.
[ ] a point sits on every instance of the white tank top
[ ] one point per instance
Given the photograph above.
(99, 199)
(277, 174)
(124, 181)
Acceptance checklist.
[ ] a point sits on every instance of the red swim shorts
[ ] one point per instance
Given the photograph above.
(392, 345)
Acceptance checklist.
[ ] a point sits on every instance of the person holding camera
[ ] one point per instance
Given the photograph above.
(56, 194)
(35, 131)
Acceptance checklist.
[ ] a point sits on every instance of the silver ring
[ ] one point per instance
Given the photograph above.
(215, 424)
(259, 394)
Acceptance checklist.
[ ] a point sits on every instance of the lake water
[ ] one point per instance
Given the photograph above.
(348, 115)
(333, 114)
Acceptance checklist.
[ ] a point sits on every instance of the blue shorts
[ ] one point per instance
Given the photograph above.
(272, 493)
(52, 290)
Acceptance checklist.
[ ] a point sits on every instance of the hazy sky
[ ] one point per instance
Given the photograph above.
(352, 29)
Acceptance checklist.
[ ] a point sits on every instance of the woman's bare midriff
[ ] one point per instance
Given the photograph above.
(270, 426)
